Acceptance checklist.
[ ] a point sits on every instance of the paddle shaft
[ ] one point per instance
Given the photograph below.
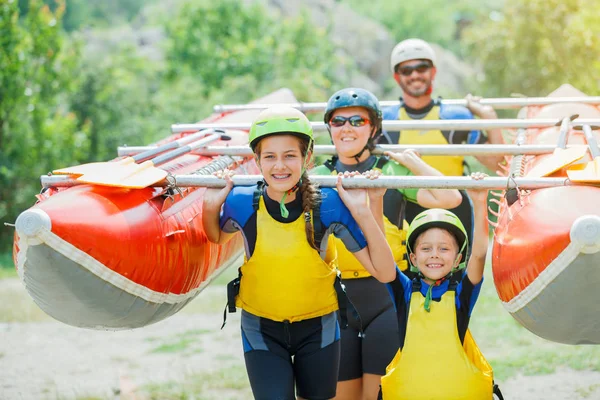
(591, 141)
(390, 182)
(424, 125)
(424, 149)
(153, 151)
(498, 103)
(163, 158)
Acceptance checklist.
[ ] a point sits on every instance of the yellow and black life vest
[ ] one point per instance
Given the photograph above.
(433, 364)
(394, 224)
(447, 165)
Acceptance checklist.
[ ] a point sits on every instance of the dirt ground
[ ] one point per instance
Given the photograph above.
(51, 360)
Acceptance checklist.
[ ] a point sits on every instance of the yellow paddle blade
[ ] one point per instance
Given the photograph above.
(92, 167)
(559, 159)
(591, 172)
(130, 176)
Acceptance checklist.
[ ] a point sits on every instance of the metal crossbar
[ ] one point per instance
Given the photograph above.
(498, 103)
(445, 149)
(390, 182)
(457, 124)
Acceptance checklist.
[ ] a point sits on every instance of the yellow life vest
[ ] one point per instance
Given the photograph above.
(433, 363)
(351, 268)
(347, 263)
(447, 165)
(285, 278)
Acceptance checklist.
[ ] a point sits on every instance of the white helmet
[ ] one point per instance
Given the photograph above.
(411, 49)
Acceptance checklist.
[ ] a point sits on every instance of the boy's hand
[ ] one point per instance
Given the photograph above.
(478, 194)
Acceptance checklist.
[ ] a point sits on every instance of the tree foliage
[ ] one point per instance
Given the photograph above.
(437, 21)
(35, 127)
(217, 42)
(538, 45)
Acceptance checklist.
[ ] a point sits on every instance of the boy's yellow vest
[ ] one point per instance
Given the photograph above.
(285, 279)
(447, 165)
(433, 363)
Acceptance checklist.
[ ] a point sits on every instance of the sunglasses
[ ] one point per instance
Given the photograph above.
(409, 69)
(355, 120)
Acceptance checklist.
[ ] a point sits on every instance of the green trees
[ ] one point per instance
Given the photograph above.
(221, 43)
(537, 45)
(35, 126)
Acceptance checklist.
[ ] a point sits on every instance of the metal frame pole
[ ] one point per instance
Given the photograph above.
(497, 103)
(390, 182)
(457, 124)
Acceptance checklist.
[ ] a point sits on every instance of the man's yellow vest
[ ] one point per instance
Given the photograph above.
(447, 165)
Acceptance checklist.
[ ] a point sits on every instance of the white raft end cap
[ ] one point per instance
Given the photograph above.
(585, 232)
(30, 222)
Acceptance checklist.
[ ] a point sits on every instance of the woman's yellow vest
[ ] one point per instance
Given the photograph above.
(447, 165)
(348, 265)
(285, 279)
(433, 364)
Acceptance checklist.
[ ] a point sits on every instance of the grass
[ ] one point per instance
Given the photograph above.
(181, 342)
(225, 383)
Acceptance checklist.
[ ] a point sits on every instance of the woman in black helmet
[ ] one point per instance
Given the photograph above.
(353, 117)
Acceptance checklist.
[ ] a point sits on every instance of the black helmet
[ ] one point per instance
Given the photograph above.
(357, 97)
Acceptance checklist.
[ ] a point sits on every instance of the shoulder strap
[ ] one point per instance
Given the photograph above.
(381, 161)
(256, 195)
(416, 284)
(317, 224)
(330, 164)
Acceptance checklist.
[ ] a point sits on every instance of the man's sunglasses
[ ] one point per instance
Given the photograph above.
(409, 69)
(355, 120)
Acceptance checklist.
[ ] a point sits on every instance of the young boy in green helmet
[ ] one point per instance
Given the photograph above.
(437, 357)
(353, 117)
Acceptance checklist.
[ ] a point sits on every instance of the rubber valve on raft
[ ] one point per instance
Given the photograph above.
(30, 222)
(585, 232)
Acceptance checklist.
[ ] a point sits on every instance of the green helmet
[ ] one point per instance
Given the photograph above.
(280, 120)
(356, 97)
(438, 218)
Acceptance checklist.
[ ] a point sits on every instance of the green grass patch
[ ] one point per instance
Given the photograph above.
(585, 393)
(511, 349)
(181, 342)
(230, 382)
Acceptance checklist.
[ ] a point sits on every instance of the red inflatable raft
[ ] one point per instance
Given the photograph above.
(107, 258)
(546, 254)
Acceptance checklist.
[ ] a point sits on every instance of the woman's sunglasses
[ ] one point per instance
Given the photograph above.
(409, 69)
(355, 120)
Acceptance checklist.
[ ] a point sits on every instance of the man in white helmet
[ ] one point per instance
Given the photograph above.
(413, 65)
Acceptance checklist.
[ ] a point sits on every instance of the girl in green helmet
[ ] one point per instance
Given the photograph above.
(353, 117)
(287, 291)
(437, 357)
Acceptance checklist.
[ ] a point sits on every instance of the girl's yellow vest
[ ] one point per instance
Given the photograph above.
(447, 165)
(285, 279)
(433, 363)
